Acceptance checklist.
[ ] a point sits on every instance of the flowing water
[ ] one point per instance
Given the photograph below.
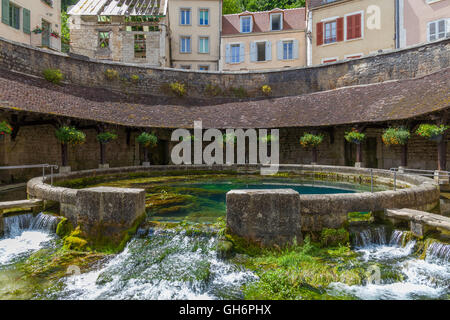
(396, 271)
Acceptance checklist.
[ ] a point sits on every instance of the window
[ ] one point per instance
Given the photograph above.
(235, 53)
(204, 17)
(185, 44)
(14, 16)
(261, 51)
(437, 30)
(103, 40)
(203, 45)
(203, 68)
(104, 19)
(185, 16)
(276, 21)
(354, 23)
(140, 46)
(185, 67)
(288, 50)
(330, 34)
(246, 24)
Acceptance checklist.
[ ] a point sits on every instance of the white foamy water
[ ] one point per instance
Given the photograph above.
(165, 266)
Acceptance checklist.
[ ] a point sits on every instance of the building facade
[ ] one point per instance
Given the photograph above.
(263, 40)
(421, 21)
(349, 29)
(195, 28)
(132, 32)
(37, 23)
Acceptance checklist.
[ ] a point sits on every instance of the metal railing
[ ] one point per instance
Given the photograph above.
(420, 172)
(35, 166)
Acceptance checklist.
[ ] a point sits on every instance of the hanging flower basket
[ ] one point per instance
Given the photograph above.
(355, 136)
(37, 30)
(147, 139)
(431, 131)
(70, 135)
(5, 128)
(309, 140)
(395, 136)
(54, 34)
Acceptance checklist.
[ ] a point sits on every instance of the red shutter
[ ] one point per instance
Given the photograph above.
(358, 27)
(350, 28)
(319, 33)
(340, 29)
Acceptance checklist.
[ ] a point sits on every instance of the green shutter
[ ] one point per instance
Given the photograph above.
(5, 11)
(26, 21)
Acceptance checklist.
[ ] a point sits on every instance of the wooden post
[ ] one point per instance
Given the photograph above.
(64, 154)
(102, 153)
(145, 154)
(314, 154)
(358, 152)
(442, 155)
(405, 155)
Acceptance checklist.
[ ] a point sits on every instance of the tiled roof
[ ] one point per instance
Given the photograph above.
(390, 100)
(119, 7)
(294, 19)
(317, 3)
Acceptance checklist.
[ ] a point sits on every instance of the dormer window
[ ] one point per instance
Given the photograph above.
(246, 24)
(276, 21)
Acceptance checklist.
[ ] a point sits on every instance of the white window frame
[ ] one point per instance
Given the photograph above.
(199, 43)
(265, 50)
(190, 16)
(447, 29)
(251, 23)
(190, 44)
(209, 17)
(362, 25)
(231, 52)
(185, 67)
(331, 58)
(282, 48)
(204, 65)
(281, 20)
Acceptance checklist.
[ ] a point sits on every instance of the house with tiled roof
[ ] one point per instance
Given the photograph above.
(263, 40)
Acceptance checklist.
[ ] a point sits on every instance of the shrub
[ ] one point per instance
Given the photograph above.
(431, 131)
(134, 78)
(395, 136)
(147, 139)
(111, 74)
(70, 135)
(266, 89)
(355, 136)
(334, 237)
(238, 92)
(106, 137)
(178, 88)
(309, 140)
(213, 90)
(53, 75)
(5, 128)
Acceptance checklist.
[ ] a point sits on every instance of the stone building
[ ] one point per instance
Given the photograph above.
(264, 40)
(130, 31)
(37, 23)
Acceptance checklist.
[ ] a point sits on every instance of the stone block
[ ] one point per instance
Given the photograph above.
(266, 217)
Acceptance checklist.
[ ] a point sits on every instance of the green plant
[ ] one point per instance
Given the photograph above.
(334, 237)
(53, 75)
(111, 74)
(134, 78)
(431, 131)
(395, 136)
(5, 128)
(70, 135)
(238, 92)
(309, 140)
(106, 137)
(268, 138)
(178, 88)
(355, 136)
(266, 89)
(147, 139)
(213, 90)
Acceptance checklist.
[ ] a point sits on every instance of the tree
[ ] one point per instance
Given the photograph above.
(65, 32)
(266, 5)
(68, 135)
(312, 141)
(231, 6)
(66, 3)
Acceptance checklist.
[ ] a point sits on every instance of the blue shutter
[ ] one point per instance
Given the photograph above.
(5, 11)
(280, 50)
(253, 52)
(26, 21)
(228, 54)
(241, 52)
(295, 49)
(268, 50)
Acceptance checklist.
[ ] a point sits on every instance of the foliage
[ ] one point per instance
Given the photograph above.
(213, 90)
(70, 135)
(237, 6)
(147, 139)
(66, 3)
(74, 241)
(5, 128)
(431, 131)
(64, 228)
(266, 89)
(111, 74)
(334, 237)
(134, 78)
(65, 32)
(238, 92)
(268, 138)
(309, 140)
(231, 6)
(395, 136)
(106, 137)
(355, 136)
(178, 88)
(53, 75)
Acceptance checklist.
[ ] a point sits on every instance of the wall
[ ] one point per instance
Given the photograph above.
(402, 64)
(416, 16)
(39, 11)
(195, 59)
(371, 40)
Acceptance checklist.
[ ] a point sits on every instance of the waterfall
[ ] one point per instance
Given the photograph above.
(15, 225)
(396, 238)
(368, 237)
(438, 250)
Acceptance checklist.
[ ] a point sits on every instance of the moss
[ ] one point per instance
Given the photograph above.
(53, 75)
(64, 228)
(334, 237)
(360, 217)
(224, 249)
(74, 241)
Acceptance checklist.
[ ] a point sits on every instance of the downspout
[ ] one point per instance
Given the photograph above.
(309, 39)
(397, 24)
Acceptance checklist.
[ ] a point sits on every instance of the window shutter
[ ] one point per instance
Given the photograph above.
(295, 49)
(340, 29)
(358, 26)
(228, 54)
(350, 28)
(253, 51)
(26, 21)
(431, 31)
(5, 11)
(242, 52)
(268, 50)
(280, 50)
(319, 32)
